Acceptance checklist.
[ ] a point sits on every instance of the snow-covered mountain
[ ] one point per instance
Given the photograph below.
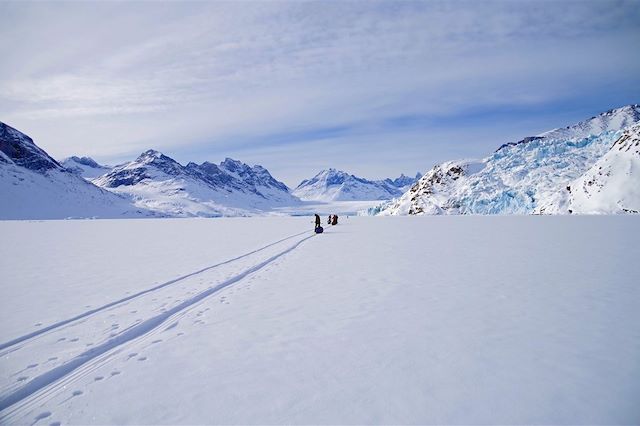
(159, 183)
(529, 176)
(35, 186)
(612, 184)
(336, 185)
(403, 183)
(86, 167)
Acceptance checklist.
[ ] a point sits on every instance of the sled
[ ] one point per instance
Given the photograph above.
(319, 230)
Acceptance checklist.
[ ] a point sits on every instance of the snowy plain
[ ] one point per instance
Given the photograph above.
(446, 319)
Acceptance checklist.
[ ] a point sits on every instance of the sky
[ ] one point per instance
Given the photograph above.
(375, 88)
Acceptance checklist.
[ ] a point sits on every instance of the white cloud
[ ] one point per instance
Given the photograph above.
(171, 75)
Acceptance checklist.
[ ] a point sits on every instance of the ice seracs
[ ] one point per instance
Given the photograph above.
(529, 176)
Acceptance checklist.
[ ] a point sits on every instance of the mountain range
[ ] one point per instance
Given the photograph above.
(589, 167)
(157, 182)
(35, 186)
(551, 173)
(335, 185)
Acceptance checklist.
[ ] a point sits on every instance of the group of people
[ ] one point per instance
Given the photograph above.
(332, 220)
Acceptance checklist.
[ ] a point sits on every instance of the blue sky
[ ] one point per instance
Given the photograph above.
(373, 88)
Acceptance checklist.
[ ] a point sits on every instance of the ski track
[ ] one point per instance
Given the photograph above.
(48, 383)
(133, 296)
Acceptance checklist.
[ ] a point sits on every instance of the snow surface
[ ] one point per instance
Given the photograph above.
(457, 320)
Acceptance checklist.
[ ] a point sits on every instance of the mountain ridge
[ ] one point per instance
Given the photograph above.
(336, 185)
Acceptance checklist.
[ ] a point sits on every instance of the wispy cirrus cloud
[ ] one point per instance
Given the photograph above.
(222, 77)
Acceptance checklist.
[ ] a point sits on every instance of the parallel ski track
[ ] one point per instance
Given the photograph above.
(41, 382)
(133, 296)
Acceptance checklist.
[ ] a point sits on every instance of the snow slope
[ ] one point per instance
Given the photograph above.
(335, 185)
(85, 167)
(530, 176)
(612, 184)
(158, 183)
(448, 320)
(34, 186)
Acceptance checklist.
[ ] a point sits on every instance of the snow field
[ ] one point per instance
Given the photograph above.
(379, 320)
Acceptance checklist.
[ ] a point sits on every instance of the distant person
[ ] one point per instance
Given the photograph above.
(334, 219)
(329, 220)
(317, 221)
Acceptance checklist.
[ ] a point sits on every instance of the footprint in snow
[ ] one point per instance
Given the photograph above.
(75, 339)
(38, 324)
(115, 373)
(32, 365)
(142, 358)
(55, 424)
(22, 378)
(76, 393)
(98, 378)
(40, 417)
(53, 358)
(133, 312)
(174, 325)
(133, 354)
(62, 339)
(156, 341)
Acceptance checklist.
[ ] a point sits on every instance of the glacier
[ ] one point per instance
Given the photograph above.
(533, 176)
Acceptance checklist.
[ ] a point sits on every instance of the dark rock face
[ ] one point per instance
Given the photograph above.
(525, 140)
(20, 149)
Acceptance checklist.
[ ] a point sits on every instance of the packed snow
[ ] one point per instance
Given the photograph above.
(447, 319)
